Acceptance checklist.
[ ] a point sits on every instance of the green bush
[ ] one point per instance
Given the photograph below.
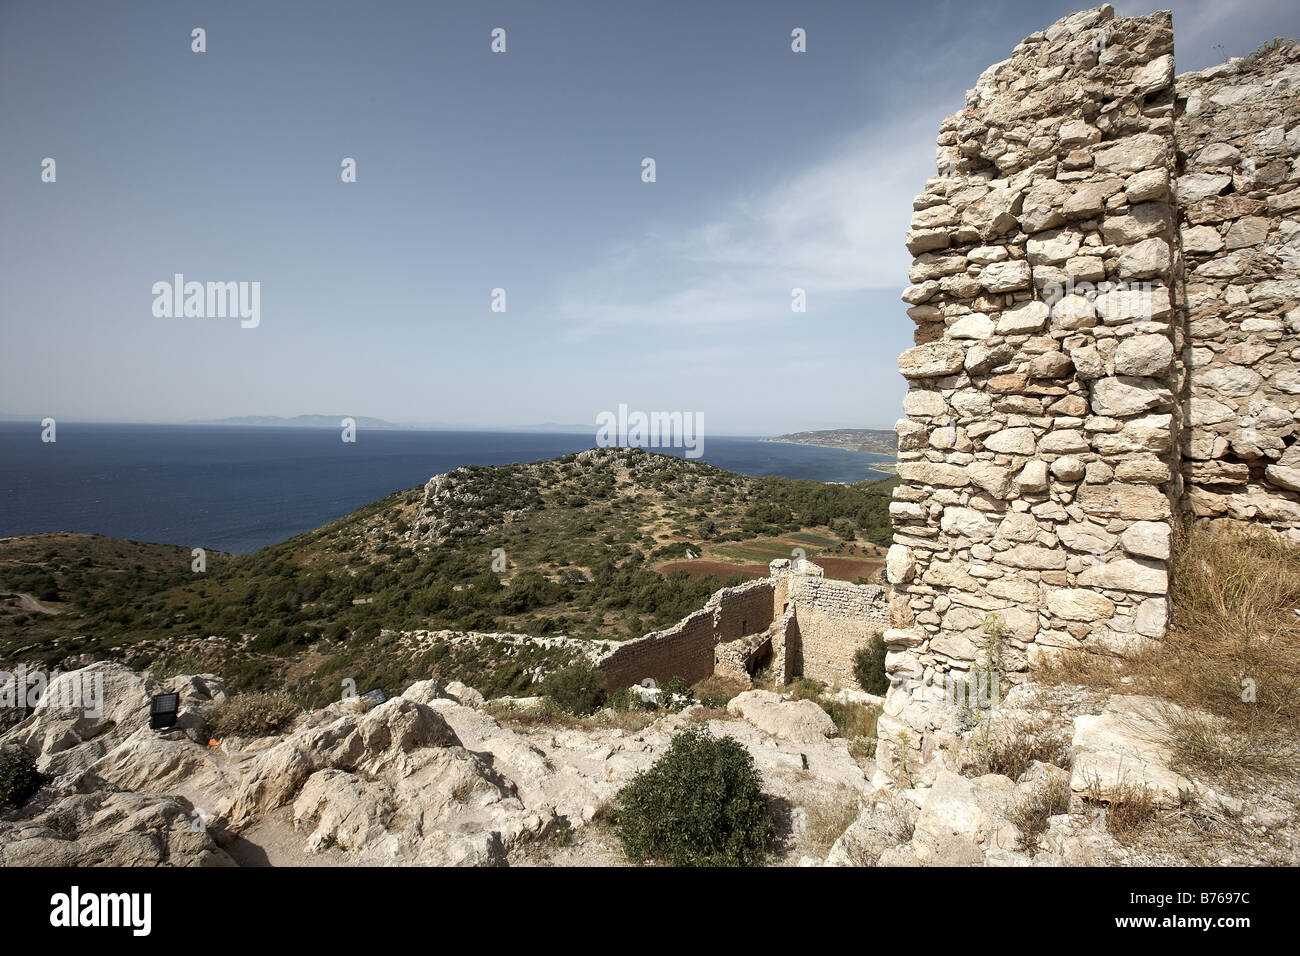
(44, 588)
(578, 689)
(626, 700)
(700, 804)
(869, 666)
(676, 694)
(250, 715)
(19, 778)
(805, 688)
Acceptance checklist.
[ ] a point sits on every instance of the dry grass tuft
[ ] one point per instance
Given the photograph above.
(718, 689)
(1130, 808)
(702, 715)
(1233, 651)
(1013, 749)
(854, 721)
(805, 688)
(547, 716)
(251, 715)
(1033, 811)
(827, 823)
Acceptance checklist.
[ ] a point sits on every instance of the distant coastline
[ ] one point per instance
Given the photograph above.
(237, 489)
(867, 441)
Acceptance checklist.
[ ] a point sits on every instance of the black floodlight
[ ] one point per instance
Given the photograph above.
(375, 696)
(162, 711)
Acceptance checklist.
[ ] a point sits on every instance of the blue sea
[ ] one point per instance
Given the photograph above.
(238, 489)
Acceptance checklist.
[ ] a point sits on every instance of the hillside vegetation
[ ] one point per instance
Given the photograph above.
(580, 539)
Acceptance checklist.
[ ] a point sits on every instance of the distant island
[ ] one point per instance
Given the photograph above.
(871, 441)
(300, 421)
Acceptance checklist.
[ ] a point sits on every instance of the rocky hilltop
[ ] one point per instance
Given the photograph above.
(1095, 532)
(438, 776)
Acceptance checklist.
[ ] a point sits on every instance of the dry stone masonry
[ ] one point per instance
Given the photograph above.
(1238, 133)
(1106, 300)
(823, 622)
(802, 622)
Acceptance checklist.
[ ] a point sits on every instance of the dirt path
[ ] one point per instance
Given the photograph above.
(29, 603)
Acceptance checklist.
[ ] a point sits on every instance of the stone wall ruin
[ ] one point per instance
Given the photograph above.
(1105, 295)
(801, 622)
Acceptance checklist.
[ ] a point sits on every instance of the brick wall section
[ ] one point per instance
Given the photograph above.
(1238, 132)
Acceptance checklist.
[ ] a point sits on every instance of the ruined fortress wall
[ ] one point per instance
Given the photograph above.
(814, 626)
(687, 648)
(1040, 471)
(683, 650)
(1238, 135)
(744, 610)
(834, 619)
(1105, 291)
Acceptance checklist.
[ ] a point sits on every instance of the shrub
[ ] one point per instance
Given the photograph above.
(44, 588)
(869, 666)
(19, 778)
(700, 804)
(250, 715)
(676, 695)
(853, 720)
(626, 700)
(805, 688)
(578, 689)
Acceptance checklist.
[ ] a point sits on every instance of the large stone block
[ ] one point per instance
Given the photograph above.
(1130, 501)
(931, 360)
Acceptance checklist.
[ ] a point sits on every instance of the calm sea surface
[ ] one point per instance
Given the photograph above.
(239, 489)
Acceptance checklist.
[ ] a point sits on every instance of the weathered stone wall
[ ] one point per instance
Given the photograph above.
(739, 659)
(1039, 464)
(1106, 291)
(744, 610)
(683, 650)
(786, 659)
(1238, 133)
(687, 648)
(834, 619)
(805, 623)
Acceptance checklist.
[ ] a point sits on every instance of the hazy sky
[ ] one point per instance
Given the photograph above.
(478, 171)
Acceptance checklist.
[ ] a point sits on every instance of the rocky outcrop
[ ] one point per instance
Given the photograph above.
(86, 823)
(387, 784)
(429, 778)
(1108, 756)
(1129, 745)
(798, 720)
(66, 735)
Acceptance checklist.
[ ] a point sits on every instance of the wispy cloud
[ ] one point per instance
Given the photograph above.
(836, 227)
